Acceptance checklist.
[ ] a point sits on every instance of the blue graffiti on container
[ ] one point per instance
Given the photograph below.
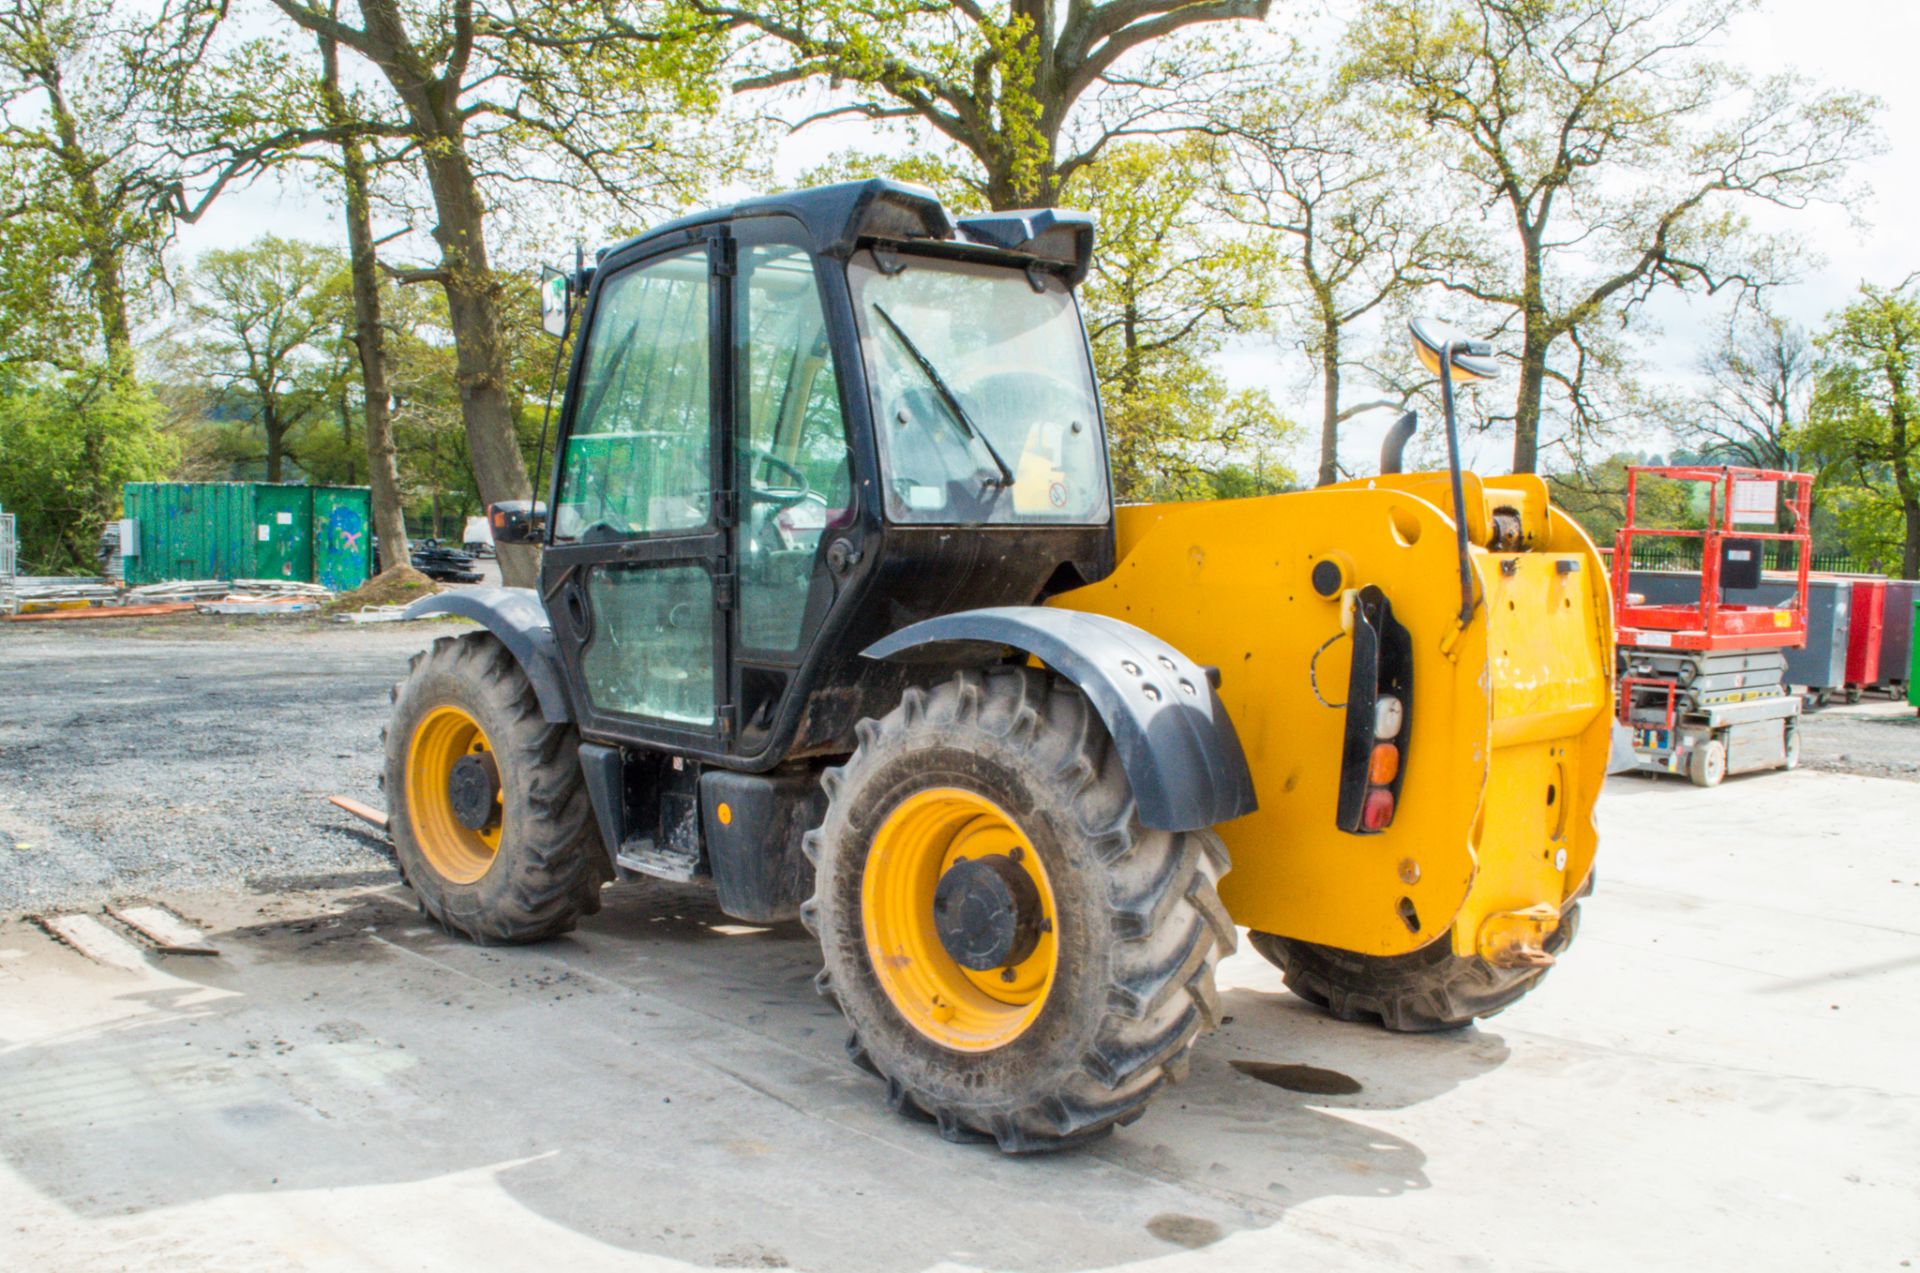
(346, 546)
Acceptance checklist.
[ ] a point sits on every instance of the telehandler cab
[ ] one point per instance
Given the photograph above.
(837, 613)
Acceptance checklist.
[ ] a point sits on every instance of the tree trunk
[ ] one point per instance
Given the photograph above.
(106, 262)
(345, 411)
(1907, 483)
(369, 337)
(480, 359)
(276, 433)
(1536, 337)
(1910, 553)
(473, 294)
(1526, 406)
(1329, 402)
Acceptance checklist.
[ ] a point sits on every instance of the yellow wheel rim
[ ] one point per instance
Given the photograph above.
(955, 1006)
(456, 852)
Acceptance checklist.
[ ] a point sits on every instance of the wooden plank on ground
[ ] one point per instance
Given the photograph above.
(104, 612)
(95, 940)
(168, 932)
(365, 813)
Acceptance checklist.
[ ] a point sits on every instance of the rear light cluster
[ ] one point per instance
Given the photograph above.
(1383, 764)
(1374, 736)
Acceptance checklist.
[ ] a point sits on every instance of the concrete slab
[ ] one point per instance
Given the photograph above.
(1719, 1076)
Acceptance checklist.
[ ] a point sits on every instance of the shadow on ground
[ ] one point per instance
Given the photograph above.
(666, 1081)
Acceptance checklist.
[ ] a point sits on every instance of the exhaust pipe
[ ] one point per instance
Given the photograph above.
(1396, 442)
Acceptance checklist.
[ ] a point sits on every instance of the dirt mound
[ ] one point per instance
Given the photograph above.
(394, 586)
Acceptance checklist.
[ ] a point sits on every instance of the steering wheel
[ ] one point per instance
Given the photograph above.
(778, 496)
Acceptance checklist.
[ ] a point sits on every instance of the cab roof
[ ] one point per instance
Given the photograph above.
(839, 218)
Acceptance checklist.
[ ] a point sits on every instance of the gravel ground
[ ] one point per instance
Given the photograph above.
(135, 760)
(1878, 738)
(138, 757)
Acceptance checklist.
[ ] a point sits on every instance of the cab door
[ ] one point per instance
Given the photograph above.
(636, 574)
(792, 465)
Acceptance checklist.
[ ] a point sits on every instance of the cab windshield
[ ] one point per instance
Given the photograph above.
(982, 394)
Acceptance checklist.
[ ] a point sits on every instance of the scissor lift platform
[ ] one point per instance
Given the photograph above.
(1702, 683)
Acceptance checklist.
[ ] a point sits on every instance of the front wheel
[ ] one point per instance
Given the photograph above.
(486, 802)
(1018, 957)
(1422, 991)
(1707, 766)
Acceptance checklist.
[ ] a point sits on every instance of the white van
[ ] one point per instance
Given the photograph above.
(478, 537)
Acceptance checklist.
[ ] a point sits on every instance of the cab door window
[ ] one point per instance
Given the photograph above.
(790, 442)
(639, 464)
(639, 455)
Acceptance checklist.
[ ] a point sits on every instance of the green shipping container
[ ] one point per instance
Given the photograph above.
(250, 530)
(1913, 659)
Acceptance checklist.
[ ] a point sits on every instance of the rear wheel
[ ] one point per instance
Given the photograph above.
(1424, 990)
(1018, 957)
(1790, 757)
(486, 802)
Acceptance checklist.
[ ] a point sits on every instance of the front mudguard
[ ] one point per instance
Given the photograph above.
(1181, 754)
(516, 616)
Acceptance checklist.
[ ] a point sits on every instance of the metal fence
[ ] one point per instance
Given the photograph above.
(9, 562)
(1684, 554)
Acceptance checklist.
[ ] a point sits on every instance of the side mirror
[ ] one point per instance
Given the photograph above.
(517, 521)
(1472, 359)
(553, 302)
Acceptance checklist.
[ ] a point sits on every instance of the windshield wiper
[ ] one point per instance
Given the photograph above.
(948, 398)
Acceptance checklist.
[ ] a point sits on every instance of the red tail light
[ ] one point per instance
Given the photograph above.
(1377, 812)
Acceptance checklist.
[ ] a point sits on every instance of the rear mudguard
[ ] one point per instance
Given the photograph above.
(1509, 729)
(1179, 749)
(516, 616)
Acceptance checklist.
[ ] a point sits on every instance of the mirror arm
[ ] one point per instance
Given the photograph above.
(553, 383)
(1453, 472)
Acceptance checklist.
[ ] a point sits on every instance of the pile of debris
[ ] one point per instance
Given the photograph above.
(239, 596)
(80, 598)
(24, 594)
(216, 589)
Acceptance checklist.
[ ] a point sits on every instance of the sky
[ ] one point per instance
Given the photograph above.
(1867, 45)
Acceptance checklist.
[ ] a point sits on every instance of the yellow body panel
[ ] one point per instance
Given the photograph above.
(1508, 727)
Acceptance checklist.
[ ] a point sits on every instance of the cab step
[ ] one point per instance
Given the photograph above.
(642, 856)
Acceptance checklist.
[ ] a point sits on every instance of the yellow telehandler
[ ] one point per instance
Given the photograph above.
(837, 614)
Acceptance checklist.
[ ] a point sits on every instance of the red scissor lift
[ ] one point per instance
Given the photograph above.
(1702, 682)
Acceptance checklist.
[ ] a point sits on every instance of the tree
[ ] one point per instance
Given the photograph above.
(548, 93)
(261, 320)
(72, 173)
(369, 338)
(1759, 378)
(1163, 295)
(1596, 497)
(1865, 421)
(1317, 175)
(1004, 83)
(68, 442)
(1623, 158)
(426, 409)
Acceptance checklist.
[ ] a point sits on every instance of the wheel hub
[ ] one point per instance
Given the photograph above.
(987, 912)
(473, 788)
